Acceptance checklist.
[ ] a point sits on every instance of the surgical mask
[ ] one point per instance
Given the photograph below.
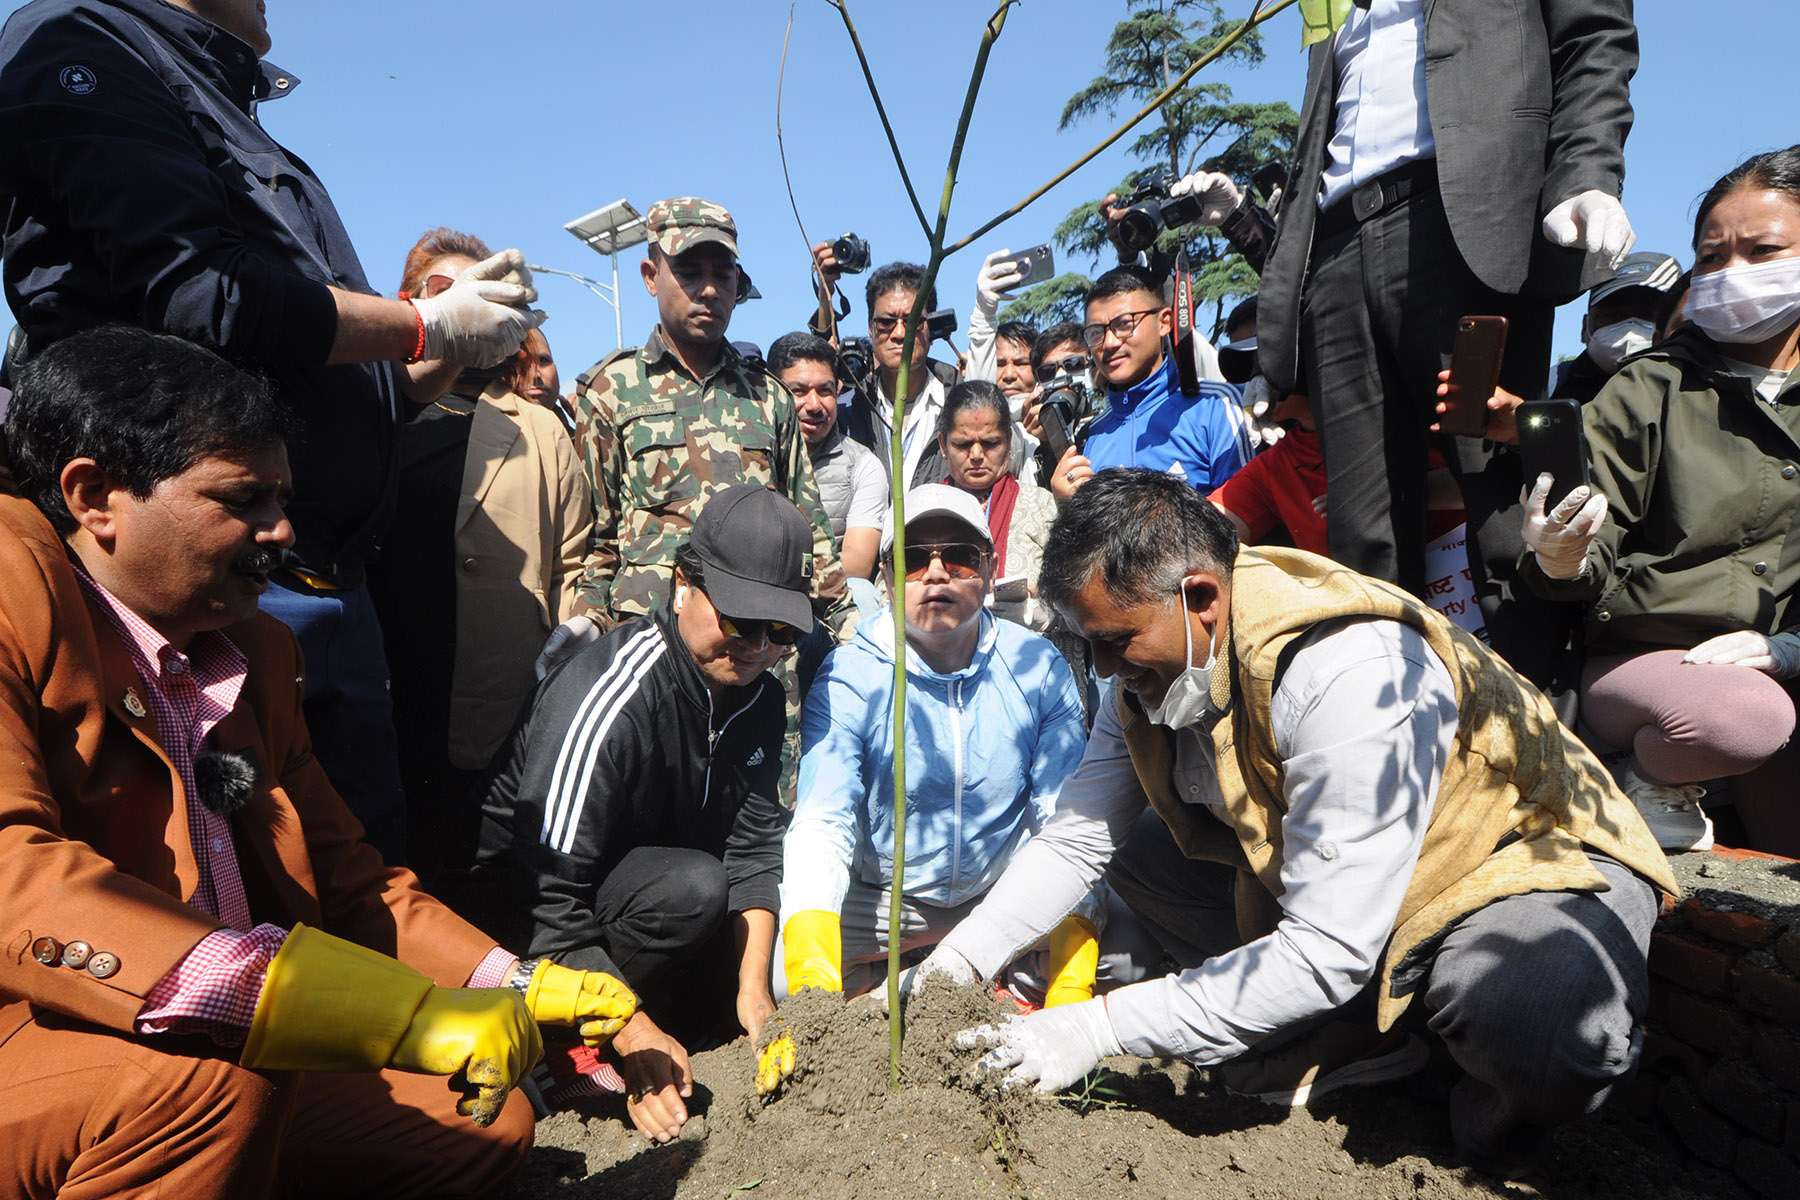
(1612, 344)
(1748, 304)
(1190, 694)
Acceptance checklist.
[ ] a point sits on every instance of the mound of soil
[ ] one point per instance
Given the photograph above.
(1146, 1129)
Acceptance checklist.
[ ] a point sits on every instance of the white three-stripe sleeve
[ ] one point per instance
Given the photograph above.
(586, 735)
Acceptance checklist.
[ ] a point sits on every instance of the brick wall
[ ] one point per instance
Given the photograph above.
(1721, 1065)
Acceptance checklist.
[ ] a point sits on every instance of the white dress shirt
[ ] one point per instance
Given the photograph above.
(1364, 720)
(1382, 122)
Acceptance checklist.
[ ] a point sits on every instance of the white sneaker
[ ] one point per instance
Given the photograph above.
(1672, 811)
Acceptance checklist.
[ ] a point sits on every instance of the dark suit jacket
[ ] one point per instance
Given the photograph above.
(1530, 104)
(94, 839)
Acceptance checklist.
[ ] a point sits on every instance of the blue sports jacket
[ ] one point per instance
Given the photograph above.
(1152, 425)
(987, 750)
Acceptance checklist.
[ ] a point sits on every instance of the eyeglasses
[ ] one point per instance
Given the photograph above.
(1072, 365)
(1122, 326)
(779, 633)
(882, 326)
(962, 560)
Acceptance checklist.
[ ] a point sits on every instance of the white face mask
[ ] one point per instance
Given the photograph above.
(1744, 305)
(1190, 694)
(1612, 344)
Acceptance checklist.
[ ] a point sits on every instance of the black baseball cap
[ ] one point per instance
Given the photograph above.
(756, 548)
(1642, 268)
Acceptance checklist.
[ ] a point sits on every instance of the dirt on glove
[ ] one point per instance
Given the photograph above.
(836, 1131)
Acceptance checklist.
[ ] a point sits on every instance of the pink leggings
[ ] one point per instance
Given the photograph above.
(1685, 722)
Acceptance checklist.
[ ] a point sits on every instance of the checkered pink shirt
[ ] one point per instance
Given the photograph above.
(188, 694)
(214, 989)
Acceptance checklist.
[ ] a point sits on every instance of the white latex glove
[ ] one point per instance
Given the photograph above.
(566, 641)
(1050, 1049)
(1561, 537)
(999, 274)
(1594, 221)
(482, 318)
(1218, 195)
(1778, 656)
(943, 964)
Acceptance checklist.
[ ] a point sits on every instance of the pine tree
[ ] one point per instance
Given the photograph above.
(1202, 128)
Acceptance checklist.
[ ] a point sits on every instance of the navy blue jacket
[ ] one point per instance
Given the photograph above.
(138, 188)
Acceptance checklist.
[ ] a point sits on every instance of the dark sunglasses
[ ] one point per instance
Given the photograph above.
(779, 633)
(962, 560)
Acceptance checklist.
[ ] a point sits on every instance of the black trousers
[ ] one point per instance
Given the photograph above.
(1377, 323)
(662, 914)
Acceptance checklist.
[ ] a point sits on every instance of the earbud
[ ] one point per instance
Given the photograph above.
(680, 597)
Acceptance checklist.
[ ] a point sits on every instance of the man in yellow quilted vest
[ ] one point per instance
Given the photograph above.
(1332, 809)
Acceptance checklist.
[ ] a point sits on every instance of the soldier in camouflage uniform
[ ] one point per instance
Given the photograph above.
(664, 426)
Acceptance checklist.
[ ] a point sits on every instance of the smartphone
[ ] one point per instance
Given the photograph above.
(1474, 374)
(1011, 590)
(1055, 432)
(1551, 439)
(1035, 265)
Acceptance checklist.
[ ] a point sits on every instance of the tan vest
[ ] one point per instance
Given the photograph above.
(1519, 799)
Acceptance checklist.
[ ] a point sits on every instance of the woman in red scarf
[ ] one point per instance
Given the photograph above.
(975, 434)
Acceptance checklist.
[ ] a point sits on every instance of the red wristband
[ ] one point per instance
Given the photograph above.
(419, 349)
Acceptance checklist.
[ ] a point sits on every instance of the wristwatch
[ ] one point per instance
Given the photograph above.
(520, 979)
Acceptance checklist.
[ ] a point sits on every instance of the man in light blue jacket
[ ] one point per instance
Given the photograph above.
(993, 726)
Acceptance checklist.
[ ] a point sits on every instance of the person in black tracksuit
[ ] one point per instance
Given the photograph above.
(633, 820)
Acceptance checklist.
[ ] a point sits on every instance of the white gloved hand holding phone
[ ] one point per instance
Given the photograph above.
(1562, 537)
(1000, 273)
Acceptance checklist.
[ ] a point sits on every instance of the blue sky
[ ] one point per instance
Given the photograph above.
(508, 119)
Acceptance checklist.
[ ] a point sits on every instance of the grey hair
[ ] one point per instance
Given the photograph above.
(1142, 531)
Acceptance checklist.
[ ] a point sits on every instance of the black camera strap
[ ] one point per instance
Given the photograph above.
(1187, 371)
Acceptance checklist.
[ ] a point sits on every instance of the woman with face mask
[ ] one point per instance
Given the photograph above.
(1683, 547)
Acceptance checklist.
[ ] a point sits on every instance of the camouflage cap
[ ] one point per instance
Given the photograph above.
(683, 222)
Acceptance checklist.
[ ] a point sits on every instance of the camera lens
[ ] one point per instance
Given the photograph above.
(1140, 225)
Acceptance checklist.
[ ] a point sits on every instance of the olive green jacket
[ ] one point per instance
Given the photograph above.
(1702, 481)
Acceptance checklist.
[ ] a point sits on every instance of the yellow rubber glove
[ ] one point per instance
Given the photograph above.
(1074, 961)
(774, 1064)
(487, 1034)
(331, 1005)
(814, 954)
(594, 1002)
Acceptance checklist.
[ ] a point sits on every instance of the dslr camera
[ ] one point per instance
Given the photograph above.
(1150, 210)
(851, 252)
(855, 355)
(1071, 397)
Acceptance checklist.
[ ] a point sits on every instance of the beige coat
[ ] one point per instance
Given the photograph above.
(1520, 804)
(521, 535)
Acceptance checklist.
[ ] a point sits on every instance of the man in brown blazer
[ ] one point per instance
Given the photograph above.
(211, 986)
